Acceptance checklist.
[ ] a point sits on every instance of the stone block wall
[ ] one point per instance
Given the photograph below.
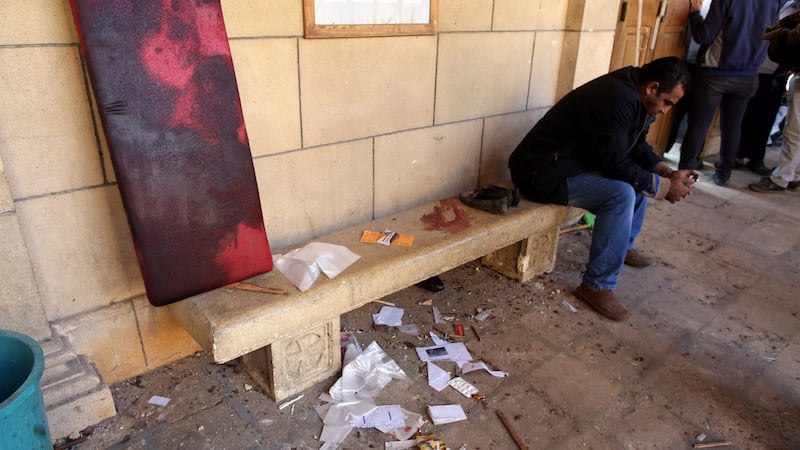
(341, 131)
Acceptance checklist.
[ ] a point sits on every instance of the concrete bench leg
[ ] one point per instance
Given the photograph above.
(298, 362)
(525, 259)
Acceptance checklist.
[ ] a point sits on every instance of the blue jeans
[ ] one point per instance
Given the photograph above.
(619, 217)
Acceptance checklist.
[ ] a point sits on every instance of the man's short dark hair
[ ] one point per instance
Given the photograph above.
(668, 72)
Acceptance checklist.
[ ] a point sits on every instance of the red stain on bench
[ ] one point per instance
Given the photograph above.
(447, 215)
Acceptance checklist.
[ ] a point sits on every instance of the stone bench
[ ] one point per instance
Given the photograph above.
(291, 342)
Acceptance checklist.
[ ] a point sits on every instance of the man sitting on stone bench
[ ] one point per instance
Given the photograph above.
(589, 151)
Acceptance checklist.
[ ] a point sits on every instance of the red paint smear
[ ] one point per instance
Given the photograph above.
(172, 57)
(187, 35)
(241, 132)
(447, 216)
(244, 248)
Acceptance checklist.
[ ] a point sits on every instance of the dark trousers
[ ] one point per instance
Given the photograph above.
(677, 126)
(731, 95)
(759, 116)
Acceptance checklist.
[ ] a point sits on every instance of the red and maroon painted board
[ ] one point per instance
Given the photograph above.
(163, 78)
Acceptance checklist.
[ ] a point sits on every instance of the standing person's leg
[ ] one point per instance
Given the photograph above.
(678, 115)
(738, 91)
(757, 121)
(705, 99)
(788, 169)
(787, 174)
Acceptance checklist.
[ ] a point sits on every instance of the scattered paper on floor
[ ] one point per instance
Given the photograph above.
(442, 414)
(389, 315)
(437, 377)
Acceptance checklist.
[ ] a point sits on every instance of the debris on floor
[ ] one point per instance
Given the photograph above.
(350, 402)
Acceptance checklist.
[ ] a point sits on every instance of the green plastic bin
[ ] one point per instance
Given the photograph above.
(23, 419)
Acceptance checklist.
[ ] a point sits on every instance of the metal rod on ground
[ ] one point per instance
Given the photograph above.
(511, 431)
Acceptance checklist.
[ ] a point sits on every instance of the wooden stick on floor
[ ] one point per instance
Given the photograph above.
(575, 228)
(713, 444)
(256, 288)
(511, 431)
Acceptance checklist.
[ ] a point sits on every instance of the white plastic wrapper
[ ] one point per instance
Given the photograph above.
(351, 397)
(366, 375)
(302, 266)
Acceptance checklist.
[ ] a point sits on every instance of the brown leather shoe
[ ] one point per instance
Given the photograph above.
(604, 302)
(635, 259)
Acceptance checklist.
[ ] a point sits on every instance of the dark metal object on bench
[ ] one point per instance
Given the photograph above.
(291, 342)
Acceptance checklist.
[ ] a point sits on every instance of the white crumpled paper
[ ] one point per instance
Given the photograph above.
(302, 266)
(351, 397)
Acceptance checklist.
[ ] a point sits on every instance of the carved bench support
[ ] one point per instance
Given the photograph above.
(293, 364)
(525, 259)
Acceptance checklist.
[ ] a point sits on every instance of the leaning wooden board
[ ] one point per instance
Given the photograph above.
(162, 75)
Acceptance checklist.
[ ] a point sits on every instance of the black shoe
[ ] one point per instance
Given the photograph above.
(719, 179)
(495, 191)
(433, 284)
(515, 197)
(493, 199)
(759, 168)
(766, 185)
(793, 186)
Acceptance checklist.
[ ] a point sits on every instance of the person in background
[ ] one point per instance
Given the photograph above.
(731, 50)
(589, 151)
(762, 109)
(759, 117)
(678, 118)
(784, 48)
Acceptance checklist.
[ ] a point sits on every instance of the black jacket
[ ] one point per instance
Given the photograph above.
(599, 127)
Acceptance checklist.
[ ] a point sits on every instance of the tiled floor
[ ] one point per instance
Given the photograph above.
(712, 349)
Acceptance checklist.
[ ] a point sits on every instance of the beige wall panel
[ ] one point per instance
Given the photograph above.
(164, 340)
(20, 307)
(420, 166)
(465, 15)
(353, 88)
(47, 141)
(263, 18)
(529, 14)
(547, 51)
(81, 250)
(594, 54)
(266, 72)
(600, 15)
(482, 74)
(312, 192)
(569, 56)
(109, 338)
(6, 202)
(36, 22)
(501, 135)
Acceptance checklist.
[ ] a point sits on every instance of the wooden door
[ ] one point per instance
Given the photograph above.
(661, 33)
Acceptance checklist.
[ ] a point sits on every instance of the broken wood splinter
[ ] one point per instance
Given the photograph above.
(712, 444)
(511, 430)
(575, 228)
(256, 288)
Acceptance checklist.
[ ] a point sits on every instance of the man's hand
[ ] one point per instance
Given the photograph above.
(695, 5)
(681, 182)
